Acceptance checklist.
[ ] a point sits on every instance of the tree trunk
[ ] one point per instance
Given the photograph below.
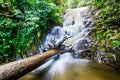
(15, 70)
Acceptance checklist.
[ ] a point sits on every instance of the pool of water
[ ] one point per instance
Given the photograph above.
(77, 70)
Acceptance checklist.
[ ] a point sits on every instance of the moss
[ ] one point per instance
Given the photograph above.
(107, 27)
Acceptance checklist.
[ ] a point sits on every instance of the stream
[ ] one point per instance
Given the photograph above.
(72, 65)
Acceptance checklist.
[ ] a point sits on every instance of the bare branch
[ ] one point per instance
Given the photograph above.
(62, 41)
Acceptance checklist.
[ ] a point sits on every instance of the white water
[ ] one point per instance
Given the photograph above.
(73, 26)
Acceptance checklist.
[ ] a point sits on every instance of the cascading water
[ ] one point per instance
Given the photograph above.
(69, 66)
(73, 26)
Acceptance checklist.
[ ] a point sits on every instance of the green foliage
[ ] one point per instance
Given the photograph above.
(79, 3)
(58, 2)
(116, 43)
(98, 3)
(22, 22)
(107, 26)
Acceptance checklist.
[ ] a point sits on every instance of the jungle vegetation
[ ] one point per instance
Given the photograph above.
(23, 22)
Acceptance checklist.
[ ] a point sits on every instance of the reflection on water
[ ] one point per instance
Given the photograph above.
(78, 70)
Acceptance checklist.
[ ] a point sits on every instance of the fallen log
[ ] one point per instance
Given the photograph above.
(17, 69)
(14, 70)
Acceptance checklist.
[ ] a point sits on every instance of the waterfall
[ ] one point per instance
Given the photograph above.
(74, 26)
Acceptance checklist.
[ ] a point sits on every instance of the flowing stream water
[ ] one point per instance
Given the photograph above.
(70, 66)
